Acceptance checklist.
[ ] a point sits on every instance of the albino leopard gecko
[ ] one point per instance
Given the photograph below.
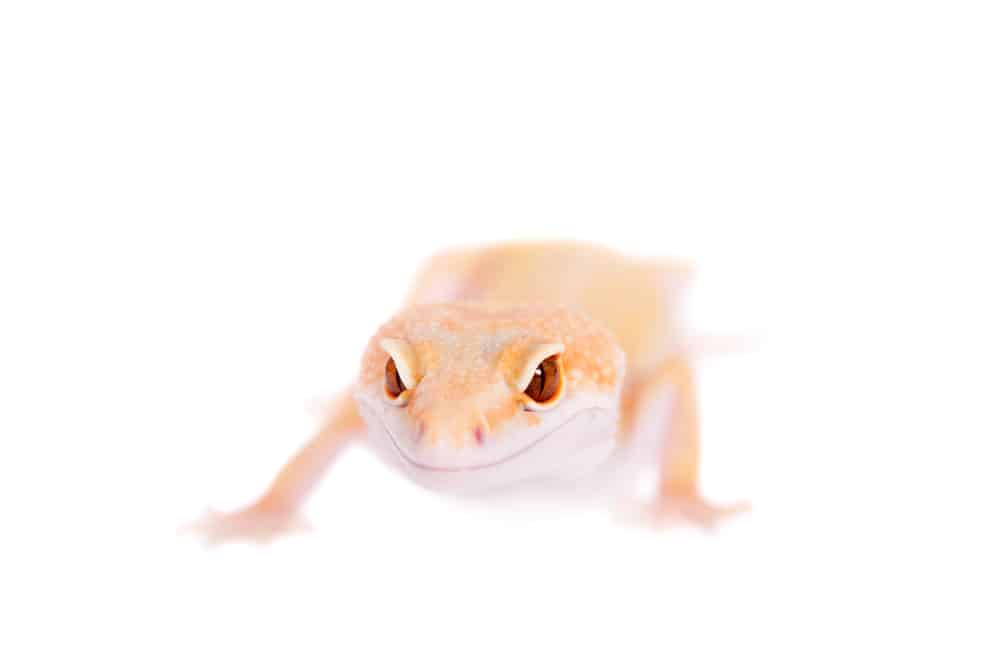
(512, 367)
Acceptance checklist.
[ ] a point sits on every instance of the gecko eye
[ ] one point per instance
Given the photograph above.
(546, 385)
(400, 377)
(394, 385)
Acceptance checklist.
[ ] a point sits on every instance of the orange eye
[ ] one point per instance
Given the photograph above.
(393, 383)
(546, 382)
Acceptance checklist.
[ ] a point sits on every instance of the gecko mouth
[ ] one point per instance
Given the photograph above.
(592, 415)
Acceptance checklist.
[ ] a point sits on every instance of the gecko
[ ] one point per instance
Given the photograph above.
(512, 368)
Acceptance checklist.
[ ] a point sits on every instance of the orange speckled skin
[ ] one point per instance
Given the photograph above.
(470, 353)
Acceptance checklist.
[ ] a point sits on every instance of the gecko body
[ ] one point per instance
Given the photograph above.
(514, 366)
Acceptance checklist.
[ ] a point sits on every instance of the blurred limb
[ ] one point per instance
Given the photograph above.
(322, 407)
(678, 497)
(710, 345)
(276, 512)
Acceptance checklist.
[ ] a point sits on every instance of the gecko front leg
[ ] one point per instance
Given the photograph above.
(276, 512)
(678, 495)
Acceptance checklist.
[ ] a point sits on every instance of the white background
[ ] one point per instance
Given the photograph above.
(207, 207)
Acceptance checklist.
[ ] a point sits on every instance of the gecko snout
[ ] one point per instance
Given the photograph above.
(452, 424)
(450, 436)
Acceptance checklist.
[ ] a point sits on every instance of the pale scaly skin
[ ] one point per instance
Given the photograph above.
(476, 323)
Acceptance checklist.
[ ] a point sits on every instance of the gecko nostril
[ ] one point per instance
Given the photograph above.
(480, 435)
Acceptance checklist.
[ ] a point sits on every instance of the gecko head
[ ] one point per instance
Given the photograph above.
(465, 388)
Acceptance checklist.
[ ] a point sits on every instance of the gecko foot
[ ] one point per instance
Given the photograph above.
(671, 510)
(253, 524)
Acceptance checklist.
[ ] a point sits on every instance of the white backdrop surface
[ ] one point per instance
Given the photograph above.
(207, 207)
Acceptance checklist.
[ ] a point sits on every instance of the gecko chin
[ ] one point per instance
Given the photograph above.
(571, 440)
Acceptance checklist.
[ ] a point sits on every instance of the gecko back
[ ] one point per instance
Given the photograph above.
(637, 299)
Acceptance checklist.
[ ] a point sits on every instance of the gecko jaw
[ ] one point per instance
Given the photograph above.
(595, 411)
